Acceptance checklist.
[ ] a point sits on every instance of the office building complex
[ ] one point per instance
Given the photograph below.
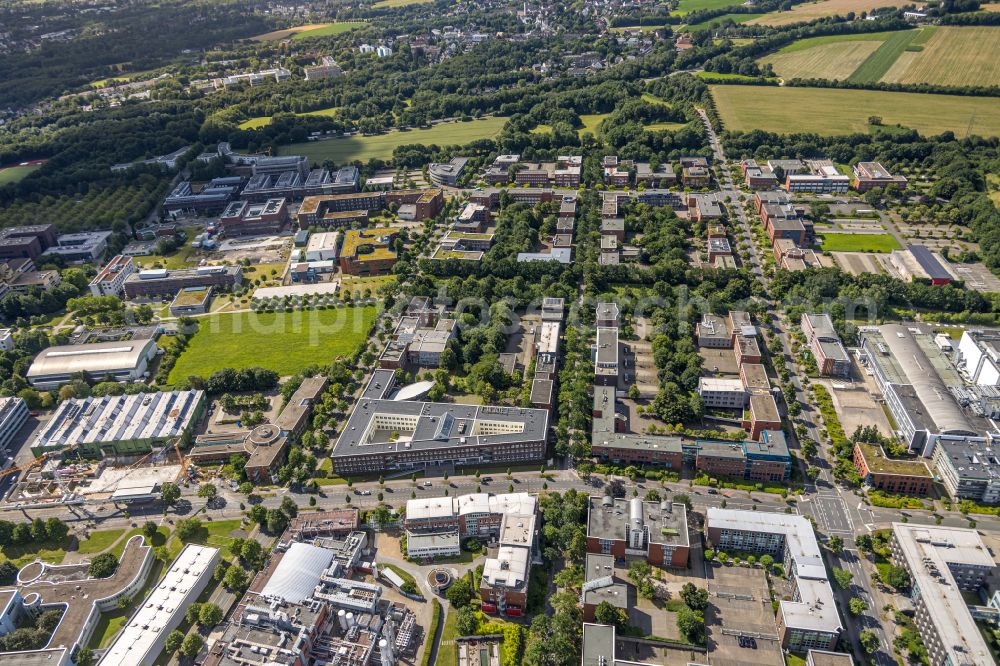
(824, 342)
(448, 173)
(810, 619)
(214, 196)
(13, 414)
(111, 280)
(243, 218)
(503, 587)
(869, 175)
(383, 434)
(27, 242)
(891, 475)
(83, 247)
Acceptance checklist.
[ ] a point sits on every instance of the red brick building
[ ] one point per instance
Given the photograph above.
(910, 477)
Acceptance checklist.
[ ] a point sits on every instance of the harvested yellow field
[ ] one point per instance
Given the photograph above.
(814, 10)
(826, 61)
(288, 32)
(952, 56)
(992, 7)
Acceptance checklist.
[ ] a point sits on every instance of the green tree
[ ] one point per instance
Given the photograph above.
(277, 521)
(149, 531)
(691, 624)
(605, 613)
(170, 493)
(857, 605)
(695, 597)
(174, 640)
(208, 491)
(209, 615)
(835, 544)
(897, 577)
(236, 579)
(843, 578)
(188, 528)
(192, 611)
(192, 645)
(85, 657)
(460, 593)
(868, 640)
(289, 507)
(102, 566)
(466, 622)
(56, 530)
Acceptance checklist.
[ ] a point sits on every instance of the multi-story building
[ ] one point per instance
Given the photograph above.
(943, 562)
(322, 246)
(214, 196)
(326, 69)
(809, 620)
(111, 280)
(81, 247)
(27, 242)
(747, 350)
(761, 415)
(823, 178)
(703, 207)
(711, 332)
(368, 251)
(448, 173)
(662, 176)
(242, 218)
(383, 434)
(490, 197)
(766, 460)
(13, 414)
(625, 449)
(832, 359)
(6, 339)
(162, 283)
(453, 519)
(607, 315)
(758, 177)
(891, 475)
(657, 531)
(567, 171)
(696, 176)
(606, 357)
(969, 468)
(503, 587)
(723, 392)
(869, 175)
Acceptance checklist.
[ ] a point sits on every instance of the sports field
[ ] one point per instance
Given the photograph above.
(833, 111)
(284, 342)
(16, 173)
(347, 149)
(814, 10)
(951, 56)
(306, 31)
(881, 243)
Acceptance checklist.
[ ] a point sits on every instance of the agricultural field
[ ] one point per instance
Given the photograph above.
(828, 60)
(380, 146)
(880, 243)
(736, 18)
(688, 6)
(814, 10)
(17, 173)
(834, 111)
(263, 121)
(389, 4)
(284, 342)
(951, 56)
(878, 63)
(993, 185)
(306, 31)
(591, 121)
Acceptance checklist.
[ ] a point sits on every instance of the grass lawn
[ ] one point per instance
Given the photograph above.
(664, 127)
(737, 18)
(99, 541)
(823, 57)
(448, 651)
(833, 111)
(881, 243)
(401, 573)
(20, 555)
(718, 77)
(993, 185)
(216, 533)
(284, 342)
(636, 28)
(591, 121)
(14, 174)
(950, 56)
(264, 121)
(159, 539)
(380, 146)
(112, 622)
(653, 99)
(542, 129)
(181, 258)
(350, 283)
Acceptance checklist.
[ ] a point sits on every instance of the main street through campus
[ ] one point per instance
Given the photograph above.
(837, 511)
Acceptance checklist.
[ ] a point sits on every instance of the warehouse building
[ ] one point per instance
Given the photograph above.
(142, 639)
(120, 425)
(383, 434)
(810, 620)
(125, 361)
(322, 246)
(943, 562)
(978, 358)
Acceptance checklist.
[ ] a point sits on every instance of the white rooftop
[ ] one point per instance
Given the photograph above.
(721, 384)
(297, 574)
(164, 602)
(445, 507)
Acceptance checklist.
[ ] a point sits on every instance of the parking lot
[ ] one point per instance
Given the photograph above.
(738, 604)
(855, 404)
